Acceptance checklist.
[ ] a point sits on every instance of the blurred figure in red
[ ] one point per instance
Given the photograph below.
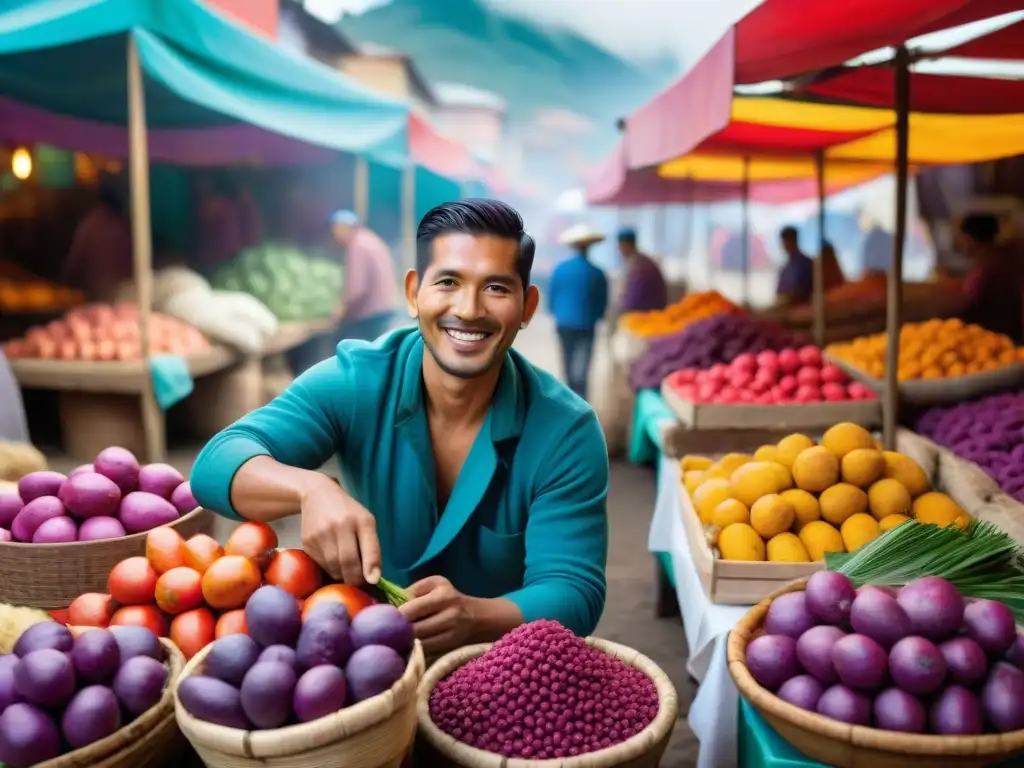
(101, 251)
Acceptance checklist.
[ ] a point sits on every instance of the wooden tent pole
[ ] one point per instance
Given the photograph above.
(818, 305)
(409, 216)
(894, 287)
(745, 230)
(361, 189)
(142, 246)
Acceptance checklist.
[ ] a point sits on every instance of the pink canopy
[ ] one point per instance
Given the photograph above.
(437, 153)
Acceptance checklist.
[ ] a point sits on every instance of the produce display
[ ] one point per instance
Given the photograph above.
(105, 332)
(59, 692)
(918, 659)
(294, 668)
(935, 349)
(719, 339)
(769, 378)
(112, 497)
(291, 284)
(32, 294)
(794, 501)
(676, 317)
(542, 693)
(870, 288)
(989, 432)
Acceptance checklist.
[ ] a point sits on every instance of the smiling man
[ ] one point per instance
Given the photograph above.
(467, 473)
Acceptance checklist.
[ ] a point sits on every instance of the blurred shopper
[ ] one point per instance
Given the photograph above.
(645, 288)
(578, 300)
(992, 289)
(832, 271)
(222, 230)
(796, 280)
(101, 251)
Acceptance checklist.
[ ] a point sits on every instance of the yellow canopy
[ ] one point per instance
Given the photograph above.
(730, 168)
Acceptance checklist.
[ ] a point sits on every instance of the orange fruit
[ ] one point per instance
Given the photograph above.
(179, 590)
(231, 623)
(148, 616)
(353, 598)
(229, 581)
(132, 581)
(165, 549)
(201, 551)
(256, 541)
(193, 630)
(295, 571)
(93, 609)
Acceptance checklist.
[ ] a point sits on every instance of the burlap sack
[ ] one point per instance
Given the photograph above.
(1005, 512)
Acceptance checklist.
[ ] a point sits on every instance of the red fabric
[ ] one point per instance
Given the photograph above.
(437, 153)
(875, 87)
(753, 138)
(1005, 45)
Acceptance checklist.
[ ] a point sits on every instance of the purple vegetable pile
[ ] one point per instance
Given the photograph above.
(112, 497)
(718, 339)
(542, 693)
(59, 693)
(920, 659)
(989, 432)
(286, 670)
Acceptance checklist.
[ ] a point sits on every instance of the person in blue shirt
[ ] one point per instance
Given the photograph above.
(466, 472)
(578, 300)
(796, 280)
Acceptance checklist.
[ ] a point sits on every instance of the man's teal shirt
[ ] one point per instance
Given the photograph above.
(526, 519)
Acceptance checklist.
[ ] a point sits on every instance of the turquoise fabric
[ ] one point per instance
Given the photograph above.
(649, 409)
(385, 187)
(527, 517)
(68, 56)
(432, 190)
(172, 381)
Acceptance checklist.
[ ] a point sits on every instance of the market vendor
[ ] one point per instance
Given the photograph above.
(101, 251)
(796, 280)
(992, 288)
(470, 475)
(371, 284)
(832, 272)
(645, 288)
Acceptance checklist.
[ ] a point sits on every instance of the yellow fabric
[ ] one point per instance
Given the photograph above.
(808, 116)
(730, 168)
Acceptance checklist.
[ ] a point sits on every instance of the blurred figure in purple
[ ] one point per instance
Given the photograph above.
(222, 229)
(796, 280)
(645, 288)
(101, 251)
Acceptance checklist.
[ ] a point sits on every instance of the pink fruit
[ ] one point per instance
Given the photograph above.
(745, 362)
(808, 375)
(810, 355)
(860, 391)
(833, 392)
(788, 385)
(759, 386)
(834, 374)
(789, 360)
(740, 379)
(718, 371)
(808, 394)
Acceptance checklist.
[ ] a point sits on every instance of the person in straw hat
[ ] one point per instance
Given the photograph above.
(470, 476)
(578, 300)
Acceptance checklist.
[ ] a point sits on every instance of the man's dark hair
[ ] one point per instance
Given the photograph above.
(789, 233)
(627, 237)
(475, 216)
(981, 227)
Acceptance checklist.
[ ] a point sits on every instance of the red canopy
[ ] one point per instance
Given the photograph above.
(445, 157)
(780, 39)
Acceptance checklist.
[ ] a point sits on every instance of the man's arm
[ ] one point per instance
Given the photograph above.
(260, 467)
(567, 533)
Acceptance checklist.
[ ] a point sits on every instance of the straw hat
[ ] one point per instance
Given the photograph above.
(581, 236)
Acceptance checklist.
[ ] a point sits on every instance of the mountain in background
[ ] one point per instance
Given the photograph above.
(532, 67)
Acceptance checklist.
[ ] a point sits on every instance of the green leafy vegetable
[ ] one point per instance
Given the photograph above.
(395, 595)
(981, 561)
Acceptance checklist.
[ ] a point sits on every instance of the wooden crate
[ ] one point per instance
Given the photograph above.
(776, 419)
(728, 582)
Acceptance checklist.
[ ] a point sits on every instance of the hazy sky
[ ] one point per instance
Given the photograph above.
(631, 28)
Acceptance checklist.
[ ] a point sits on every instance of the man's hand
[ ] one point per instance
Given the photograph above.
(441, 616)
(340, 534)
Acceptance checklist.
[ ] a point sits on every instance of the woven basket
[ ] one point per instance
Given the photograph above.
(854, 746)
(641, 751)
(143, 743)
(51, 576)
(376, 733)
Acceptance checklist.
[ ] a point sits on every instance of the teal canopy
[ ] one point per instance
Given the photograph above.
(201, 70)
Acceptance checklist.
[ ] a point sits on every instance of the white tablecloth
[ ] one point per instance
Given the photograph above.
(713, 714)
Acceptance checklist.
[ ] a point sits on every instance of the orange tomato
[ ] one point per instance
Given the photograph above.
(201, 551)
(231, 623)
(179, 590)
(193, 630)
(60, 615)
(93, 609)
(353, 598)
(256, 541)
(132, 581)
(148, 616)
(165, 549)
(228, 583)
(294, 571)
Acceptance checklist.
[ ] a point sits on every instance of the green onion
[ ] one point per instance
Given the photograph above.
(395, 595)
(981, 561)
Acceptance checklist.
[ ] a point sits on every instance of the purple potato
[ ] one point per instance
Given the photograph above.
(46, 634)
(267, 692)
(93, 714)
(139, 683)
(382, 624)
(96, 656)
(28, 736)
(320, 691)
(213, 701)
(45, 677)
(231, 657)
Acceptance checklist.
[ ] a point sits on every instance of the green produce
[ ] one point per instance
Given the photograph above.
(290, 283)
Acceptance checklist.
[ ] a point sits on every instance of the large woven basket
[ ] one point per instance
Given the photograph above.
(853, 746)
(375, 733)
(146, 742)
(644, 750)
(51, 576)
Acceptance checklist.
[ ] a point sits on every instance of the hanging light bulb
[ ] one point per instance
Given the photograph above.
(21, 163)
